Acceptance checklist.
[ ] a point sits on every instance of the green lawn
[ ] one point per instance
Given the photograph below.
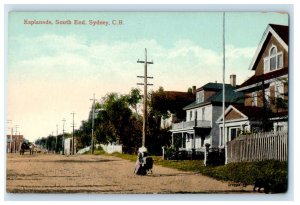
(245, 173)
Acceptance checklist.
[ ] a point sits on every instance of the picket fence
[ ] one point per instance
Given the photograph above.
(258, 147)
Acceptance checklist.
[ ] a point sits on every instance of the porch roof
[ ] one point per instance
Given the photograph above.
(264, 77)
(252, 113)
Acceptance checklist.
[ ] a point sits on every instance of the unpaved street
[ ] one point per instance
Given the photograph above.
(49, 173)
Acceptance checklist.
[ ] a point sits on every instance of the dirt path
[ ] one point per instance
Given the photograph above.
(101, 174)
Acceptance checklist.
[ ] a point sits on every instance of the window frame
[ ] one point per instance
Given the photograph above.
(277, 55)
(200, 96)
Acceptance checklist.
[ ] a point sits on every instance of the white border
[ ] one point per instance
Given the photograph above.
(110, 7)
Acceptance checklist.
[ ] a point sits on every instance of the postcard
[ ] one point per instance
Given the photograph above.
(147, 102)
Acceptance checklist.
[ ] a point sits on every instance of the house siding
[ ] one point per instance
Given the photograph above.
(208, 94)
(232, 115)
(248, 99)
(259, 70)
(216, 112)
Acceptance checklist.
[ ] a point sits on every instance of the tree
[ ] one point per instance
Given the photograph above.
(134, 98)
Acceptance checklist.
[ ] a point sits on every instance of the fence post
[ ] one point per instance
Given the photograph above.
(206, 153)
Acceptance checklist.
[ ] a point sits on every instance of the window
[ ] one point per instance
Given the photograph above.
(191, 115)
(203, 113)
(267, 95)
(279, 90)
(254, 99)
(200, 96)
(234, 133)
(274, 60)
(279, 128)
(202, 141)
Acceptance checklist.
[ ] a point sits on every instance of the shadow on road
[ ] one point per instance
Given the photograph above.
(81, 161)
(171, 175)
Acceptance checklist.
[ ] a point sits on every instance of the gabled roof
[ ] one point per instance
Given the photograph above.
(231, 96)
(247, 112)
(280, 32)
(252, 113)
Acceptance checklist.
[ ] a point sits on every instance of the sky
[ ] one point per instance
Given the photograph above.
(53, 70)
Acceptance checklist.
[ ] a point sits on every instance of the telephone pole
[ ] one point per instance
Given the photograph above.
(63, 138)
(56, 138)
(16, 133)
(11, 139)
(93, 117)
(16, 130)
(73, 141)
(145, 95)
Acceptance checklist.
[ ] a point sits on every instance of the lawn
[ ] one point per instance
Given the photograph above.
(244, 173)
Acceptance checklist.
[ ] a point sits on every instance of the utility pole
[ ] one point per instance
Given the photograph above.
(93, 117)
(63, 138)
(223, 101)
(16, 130)
(16, 133)
(73, 141)
(11, 138)
(145, 95)
(56, 137)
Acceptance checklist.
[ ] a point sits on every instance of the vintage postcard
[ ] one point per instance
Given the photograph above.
(147, 102)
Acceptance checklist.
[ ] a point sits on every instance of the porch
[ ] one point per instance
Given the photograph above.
(191, 137)
(191, 124)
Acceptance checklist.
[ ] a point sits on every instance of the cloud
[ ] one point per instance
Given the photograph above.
(55, 74)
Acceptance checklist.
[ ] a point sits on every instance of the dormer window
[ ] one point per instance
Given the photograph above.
(200, 96)
(274, 60)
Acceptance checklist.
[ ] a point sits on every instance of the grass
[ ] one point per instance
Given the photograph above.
(245, 173)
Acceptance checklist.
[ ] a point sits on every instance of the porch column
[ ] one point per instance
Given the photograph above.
(194, 145)
(182, 140)
(220, 136)
(172, 138)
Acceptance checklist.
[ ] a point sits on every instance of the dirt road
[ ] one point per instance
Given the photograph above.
(49, 173)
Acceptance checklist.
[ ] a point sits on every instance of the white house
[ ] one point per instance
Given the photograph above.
(200, 126)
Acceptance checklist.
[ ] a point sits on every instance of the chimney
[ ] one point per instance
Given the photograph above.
(233, 80)
(194, 89)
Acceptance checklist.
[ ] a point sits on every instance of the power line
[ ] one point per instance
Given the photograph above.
(146, 77)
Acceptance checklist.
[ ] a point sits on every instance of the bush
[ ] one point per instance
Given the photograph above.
(248, 173)
(170, 152)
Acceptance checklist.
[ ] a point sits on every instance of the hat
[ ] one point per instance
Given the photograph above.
(143, 149)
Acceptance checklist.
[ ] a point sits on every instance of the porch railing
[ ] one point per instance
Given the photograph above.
(200, 123)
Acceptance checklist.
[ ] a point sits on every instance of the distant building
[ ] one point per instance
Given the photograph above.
(177, 100)
(14, 142)
(68, 145)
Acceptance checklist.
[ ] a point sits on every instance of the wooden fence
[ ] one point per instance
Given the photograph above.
(258, 147)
